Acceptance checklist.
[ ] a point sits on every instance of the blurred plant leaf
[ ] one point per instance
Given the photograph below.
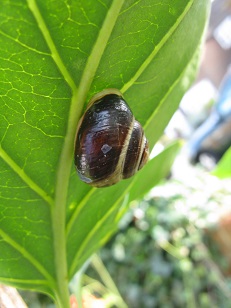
(158, 168)
(223, 169)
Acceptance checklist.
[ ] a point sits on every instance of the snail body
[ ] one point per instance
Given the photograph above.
(110, 144)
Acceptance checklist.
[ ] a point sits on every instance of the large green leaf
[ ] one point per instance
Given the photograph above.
(54, 56)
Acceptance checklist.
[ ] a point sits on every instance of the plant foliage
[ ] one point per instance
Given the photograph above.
(223, 169)
(54, 56)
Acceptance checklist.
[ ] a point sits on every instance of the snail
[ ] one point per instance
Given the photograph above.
(110, 144)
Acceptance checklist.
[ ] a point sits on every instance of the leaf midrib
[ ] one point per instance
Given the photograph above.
(77, 103)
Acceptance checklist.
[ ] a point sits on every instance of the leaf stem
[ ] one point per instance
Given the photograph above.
(58, 212)
(62, 296)
(98, 265)
(78, 280)
(66, 158)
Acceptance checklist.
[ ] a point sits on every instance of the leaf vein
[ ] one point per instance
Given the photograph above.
(97, 226)
(24, 45)
(21, 173)
(156, 49)
(54, 51)
(66, 158)
(27, 256)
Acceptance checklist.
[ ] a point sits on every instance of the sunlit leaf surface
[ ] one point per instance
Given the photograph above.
(54, 56)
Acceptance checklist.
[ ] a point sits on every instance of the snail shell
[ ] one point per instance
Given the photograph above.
(110, 144)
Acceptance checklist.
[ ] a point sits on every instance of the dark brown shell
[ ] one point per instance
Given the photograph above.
(110, 144)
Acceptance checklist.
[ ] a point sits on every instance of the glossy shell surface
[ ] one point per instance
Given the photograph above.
(110, 144)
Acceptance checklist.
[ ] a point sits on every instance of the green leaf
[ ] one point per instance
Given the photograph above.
(156, 169)
(223, 169)
(54, 56)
